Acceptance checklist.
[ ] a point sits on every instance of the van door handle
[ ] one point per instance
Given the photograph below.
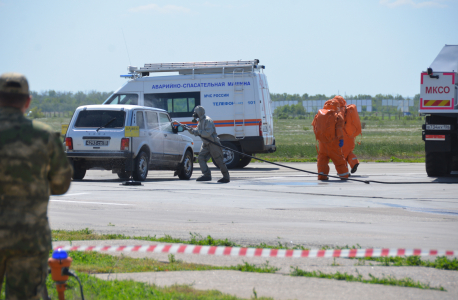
(165, 134)
(150, 134)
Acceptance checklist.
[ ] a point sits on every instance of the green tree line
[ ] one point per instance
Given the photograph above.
(63, 102)
(49, 102)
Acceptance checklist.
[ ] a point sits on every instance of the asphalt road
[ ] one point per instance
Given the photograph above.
(266, 203)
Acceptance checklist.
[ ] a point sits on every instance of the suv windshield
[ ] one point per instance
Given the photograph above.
(131, 99)
(98, 118)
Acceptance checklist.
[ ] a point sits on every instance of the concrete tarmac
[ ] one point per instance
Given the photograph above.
(265, 203)
(270, 204)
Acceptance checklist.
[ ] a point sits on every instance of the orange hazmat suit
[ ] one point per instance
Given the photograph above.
(328, 127)
(349, 142)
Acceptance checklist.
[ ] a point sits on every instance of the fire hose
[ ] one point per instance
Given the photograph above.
(301, 170)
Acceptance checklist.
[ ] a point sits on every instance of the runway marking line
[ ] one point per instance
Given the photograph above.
(86, 202)
(262, 252)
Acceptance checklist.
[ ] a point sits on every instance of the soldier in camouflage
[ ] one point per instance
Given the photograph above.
(33, 165)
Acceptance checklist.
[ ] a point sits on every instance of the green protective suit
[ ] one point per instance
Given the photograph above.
(206, 129)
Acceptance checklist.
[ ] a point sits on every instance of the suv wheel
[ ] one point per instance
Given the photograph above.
(78, 170)
(187, 166)
(123, 174)
(141, 167)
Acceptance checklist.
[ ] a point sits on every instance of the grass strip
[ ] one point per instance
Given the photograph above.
(367, 151)
(441, 262)
(95, 262)
(95, 288)
(389, 280)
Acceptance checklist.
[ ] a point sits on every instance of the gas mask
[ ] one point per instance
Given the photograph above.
(194, 117)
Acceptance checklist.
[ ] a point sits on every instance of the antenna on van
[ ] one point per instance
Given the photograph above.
(126, 46)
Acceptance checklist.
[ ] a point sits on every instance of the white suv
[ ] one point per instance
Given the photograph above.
(96, 139)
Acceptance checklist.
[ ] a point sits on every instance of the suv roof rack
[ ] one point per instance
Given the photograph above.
(203, 67)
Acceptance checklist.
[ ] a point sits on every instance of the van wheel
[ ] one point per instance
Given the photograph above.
(141, 167)
(244, 161)
(438, 164)
(187, 166)
(78, 170)
(231, 159)
(123, 174)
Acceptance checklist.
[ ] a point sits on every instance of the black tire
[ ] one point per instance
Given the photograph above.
(244, 161)
(124, 175)
(78, 170)
(141, 167)
(231, 159)
(438, 164)
(187, 166)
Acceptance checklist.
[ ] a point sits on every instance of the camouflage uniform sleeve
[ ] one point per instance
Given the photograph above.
(60, 171)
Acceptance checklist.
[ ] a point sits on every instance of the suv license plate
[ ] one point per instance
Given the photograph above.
(96, 143)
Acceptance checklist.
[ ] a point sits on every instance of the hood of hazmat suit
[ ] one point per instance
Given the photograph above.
(332, 104)
(199, 111)
(342, 104)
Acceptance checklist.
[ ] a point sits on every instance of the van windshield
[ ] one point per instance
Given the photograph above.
(98, 118)
(131, 99)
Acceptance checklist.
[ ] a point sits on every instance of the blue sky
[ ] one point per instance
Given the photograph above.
(326, 47)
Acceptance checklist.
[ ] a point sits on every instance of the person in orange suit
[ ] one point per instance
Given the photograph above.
(349, 142)
(328, 127)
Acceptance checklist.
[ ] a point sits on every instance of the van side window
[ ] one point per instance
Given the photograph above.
(140, 120)
(151, 120)
(176, 104)
(166, 124)
(131, 99)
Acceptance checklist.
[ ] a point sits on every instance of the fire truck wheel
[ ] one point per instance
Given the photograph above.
(231, 159)
(244, 161)
(438, 164)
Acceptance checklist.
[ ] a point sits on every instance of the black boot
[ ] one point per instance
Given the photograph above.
(224, 180)
(204, 178)
(353, 170)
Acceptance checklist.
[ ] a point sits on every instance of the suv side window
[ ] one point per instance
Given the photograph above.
(151, 120)
(140, 120)
(166, 124)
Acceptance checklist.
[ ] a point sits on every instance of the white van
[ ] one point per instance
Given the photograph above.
(234, 94)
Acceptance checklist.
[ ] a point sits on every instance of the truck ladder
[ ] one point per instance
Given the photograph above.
(239, 103)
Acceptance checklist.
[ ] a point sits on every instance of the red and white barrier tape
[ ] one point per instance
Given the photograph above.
(258, 252)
